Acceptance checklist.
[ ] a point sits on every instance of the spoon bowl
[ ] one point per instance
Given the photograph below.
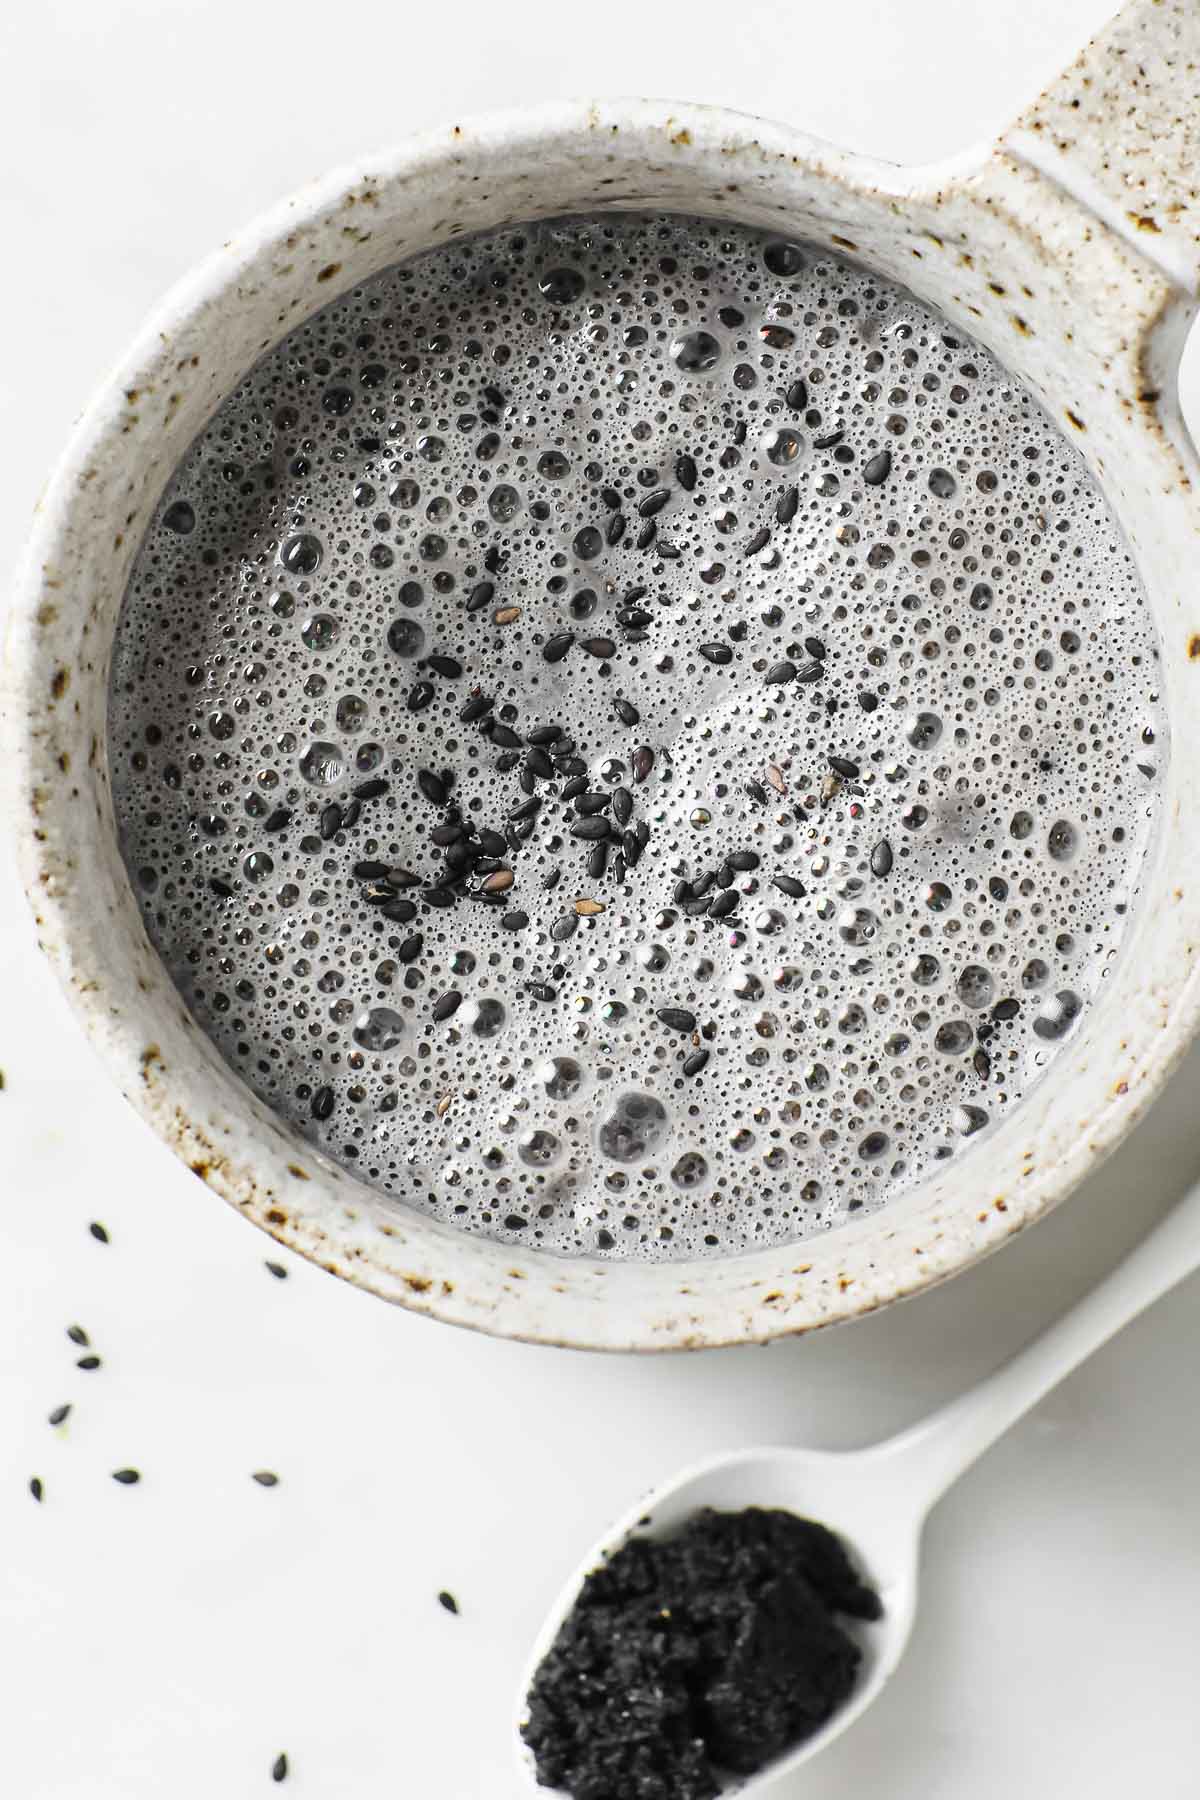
(867, 1496)
(877, 1499)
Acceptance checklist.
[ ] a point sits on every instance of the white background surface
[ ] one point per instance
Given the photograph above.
(170, 1639)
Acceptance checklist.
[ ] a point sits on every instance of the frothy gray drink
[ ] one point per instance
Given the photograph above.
(635, 737)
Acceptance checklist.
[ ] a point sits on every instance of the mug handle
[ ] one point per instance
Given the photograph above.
(1119, 131)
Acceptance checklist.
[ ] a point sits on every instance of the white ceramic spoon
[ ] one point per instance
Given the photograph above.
(878, 1499)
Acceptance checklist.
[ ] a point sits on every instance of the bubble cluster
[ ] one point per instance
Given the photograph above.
(635, 737)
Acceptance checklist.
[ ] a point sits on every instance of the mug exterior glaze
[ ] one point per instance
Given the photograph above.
(1071, 249)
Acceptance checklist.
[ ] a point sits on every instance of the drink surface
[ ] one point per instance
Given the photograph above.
(635, 737)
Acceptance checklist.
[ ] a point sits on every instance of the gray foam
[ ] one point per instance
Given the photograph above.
(980, 595)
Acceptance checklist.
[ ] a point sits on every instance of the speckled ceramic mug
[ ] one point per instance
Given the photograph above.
(1071, 249)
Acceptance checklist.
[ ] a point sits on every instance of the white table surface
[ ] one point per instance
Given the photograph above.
(170, 1639)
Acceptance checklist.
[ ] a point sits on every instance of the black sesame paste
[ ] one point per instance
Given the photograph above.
(714, 1649)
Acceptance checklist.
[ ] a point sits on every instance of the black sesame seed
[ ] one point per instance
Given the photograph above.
(399, 911)
(881, 858)
(619, 867)
(444, 835)
(277, 1270)
(492, 843)
(278, 819)
(411, 948)
(598, 646)
(437, 896)
(537, 761)
(867, 700)
(810, 672)
(541, 990)
(647, 534)
(787, 505)
(653, 503)
(643, 762)
(36, 1488)
(88, 1363)
(743, 860)
(614, 531)
(331, 821)
(279, 1767)
(787, 884)
(565, 747)
(419, 696)
(877, 468)
(371, 790)
(432, 786)
(555, 648)
(516, 834)
(265, 1478)
(526, 810)
(572, 766)
(592, 800)
(221, 889)
(60, 1413)
(633, 617)
(669, 552)
(622, 805)
(378, 893)
(544, 734)
(756, 791)
(829, 439)
(515, 921)
(724, 875)
(350, 814)
(449, 666)
(590, 830)
(780, 672)
(564, 928)
(446, 1005)
(322, 1103)
(676, 1018)
(716, 653)
(739, 432)
(610, 497)
(693, 1064)
(697, 906)
(551, 879)
(98, 1231)
(447, 1600)
(477, 707)
(796, 397)
(78, 1335)
(481, 595)
(641, 832)
(685, 472)
(1006, 1009)
(126, 1477)
(759, 541)
(981, 1062)
(842, 765)
(681, 892)
(573, 788)
(505, 737)
(369, 870)
(724, 904)
(597, 861)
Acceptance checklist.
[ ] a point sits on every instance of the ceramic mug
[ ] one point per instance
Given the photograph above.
(1071, 248)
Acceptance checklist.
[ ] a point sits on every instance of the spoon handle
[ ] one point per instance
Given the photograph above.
(948, 1441)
